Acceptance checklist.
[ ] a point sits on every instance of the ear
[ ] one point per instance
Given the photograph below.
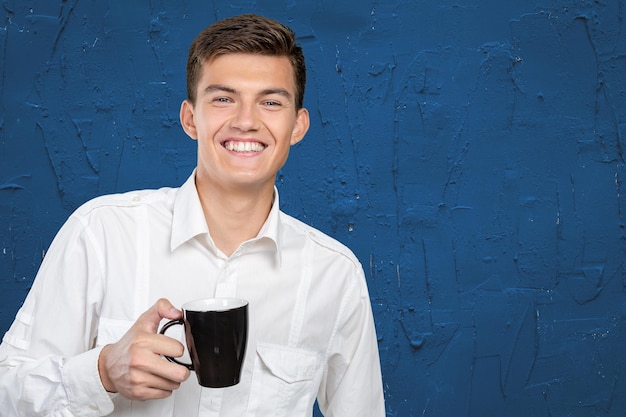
(301, 126)
(187, 119)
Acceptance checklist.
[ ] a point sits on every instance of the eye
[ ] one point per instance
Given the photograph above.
(272, 103)
(221, 101)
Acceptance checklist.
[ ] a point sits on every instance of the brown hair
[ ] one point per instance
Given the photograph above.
(251, 34)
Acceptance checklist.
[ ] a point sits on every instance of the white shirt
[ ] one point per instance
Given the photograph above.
(311, 332)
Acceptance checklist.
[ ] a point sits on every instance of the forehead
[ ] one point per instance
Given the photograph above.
(241, 68)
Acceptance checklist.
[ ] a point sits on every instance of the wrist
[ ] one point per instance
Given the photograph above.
(102, 370)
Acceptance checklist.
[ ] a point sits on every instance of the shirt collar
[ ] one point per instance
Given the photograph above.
(188, 219)
(270, 230)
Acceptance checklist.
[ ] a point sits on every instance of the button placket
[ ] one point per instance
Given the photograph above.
(227, 281)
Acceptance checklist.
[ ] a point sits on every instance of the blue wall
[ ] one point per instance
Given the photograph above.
(471, 152)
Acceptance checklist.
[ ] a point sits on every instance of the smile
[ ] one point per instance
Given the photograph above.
(240, 146)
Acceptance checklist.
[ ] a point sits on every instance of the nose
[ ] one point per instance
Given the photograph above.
(246, 117)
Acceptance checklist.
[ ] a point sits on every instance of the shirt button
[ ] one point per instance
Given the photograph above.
(136, 199)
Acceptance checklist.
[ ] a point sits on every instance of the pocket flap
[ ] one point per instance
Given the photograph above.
(110, 330)
(289, 364)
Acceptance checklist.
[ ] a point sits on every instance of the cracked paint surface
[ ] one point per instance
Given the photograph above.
(470, 153)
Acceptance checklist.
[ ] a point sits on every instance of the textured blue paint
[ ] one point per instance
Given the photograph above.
(470, 152)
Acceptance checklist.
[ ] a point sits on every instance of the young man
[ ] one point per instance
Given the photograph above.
(85, 342)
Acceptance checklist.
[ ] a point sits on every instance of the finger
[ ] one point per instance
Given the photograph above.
(144, 386)
(148, 356)
(148, 369)
(162, 309)
(166, 310)
(168, 371)
(165, 345)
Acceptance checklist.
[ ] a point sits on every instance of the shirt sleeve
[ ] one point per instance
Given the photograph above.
(352, 385)
(48, 359)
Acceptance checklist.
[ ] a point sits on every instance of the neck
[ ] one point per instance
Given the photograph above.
(234, 216)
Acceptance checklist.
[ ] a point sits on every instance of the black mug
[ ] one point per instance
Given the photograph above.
(216, 331)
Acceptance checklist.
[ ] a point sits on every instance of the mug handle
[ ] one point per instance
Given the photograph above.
(162, 331)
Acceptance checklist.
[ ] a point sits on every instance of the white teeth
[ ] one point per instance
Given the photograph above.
(238, 146)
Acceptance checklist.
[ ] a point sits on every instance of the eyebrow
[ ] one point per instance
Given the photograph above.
(218, 87)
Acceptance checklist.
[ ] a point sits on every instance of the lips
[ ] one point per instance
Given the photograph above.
(244, 146)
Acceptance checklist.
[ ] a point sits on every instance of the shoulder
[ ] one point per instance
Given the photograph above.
(322, 241)
(125, 209)
(127, 200)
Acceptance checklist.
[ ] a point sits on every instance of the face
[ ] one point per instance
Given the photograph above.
(245, 120)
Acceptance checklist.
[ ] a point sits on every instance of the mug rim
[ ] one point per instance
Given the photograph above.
(214, 304)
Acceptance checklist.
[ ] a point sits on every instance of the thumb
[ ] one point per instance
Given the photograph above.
(162, 309)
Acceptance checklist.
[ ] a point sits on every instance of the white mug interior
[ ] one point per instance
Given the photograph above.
(214, 304)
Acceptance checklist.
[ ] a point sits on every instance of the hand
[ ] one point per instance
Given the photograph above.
(134, 367)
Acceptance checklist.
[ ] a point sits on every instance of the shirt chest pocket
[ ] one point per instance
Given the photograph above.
(284, 382)
(110, 330)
